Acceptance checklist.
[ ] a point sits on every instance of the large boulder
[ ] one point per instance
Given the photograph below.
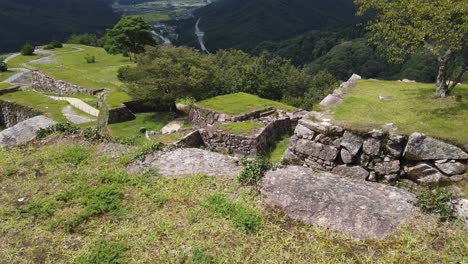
(422, 147)
(185, 162)
(331, 100)
(361, 209)
(25, 131)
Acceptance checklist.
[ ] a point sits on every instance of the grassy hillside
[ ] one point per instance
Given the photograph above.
(39, 21)
(245, 23)
(65, 202)
(412, 109)
(71, 66)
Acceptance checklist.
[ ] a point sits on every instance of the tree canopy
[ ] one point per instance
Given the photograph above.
(129, 36)
(173, 73)
(401, 27)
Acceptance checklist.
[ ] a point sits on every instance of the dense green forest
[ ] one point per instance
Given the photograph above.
(39, 21)
(244, 23)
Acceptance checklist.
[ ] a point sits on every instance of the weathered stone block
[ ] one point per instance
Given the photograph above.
(351, 142)
(422, 147)
(355, 172)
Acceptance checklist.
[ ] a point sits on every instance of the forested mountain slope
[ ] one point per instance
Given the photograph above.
(39, 21)
(245, 23)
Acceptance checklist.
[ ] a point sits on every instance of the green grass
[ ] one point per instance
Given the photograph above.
(130, 129)
(5, 85)
(72, 67)
(239, 103)
(278, 149)
(6, 75)
(20, 61)
(240, 128)
(39, 101)
(146, 219)
(117, 98)
(412, 109)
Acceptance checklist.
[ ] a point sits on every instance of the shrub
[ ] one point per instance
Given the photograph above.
(48, 47)
(85, 39)
(105, 252)
(90, 58)
(253, 171)
(55, 44)
(122, 72)
(27, 50)
(189, 101)
(436, 201)
(3, 66)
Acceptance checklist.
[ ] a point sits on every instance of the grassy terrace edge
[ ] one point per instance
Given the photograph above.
(240, 103)
(412, 109)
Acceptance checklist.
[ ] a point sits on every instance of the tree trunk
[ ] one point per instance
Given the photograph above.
(442, 89)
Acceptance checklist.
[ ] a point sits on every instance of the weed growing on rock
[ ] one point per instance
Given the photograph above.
(242, 217)
(436, 201)
(253, 171)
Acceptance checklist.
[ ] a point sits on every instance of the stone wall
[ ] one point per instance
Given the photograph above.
(13, 113)
(12, 89)
(249, 145)
(202, 117)
(42, 82)
(120, 114)
(375, 155)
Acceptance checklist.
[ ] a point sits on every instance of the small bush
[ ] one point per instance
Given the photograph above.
(242, 217)
(55, 44)
(90, 58)
(436, 201)
(3, 66)
(27, 50)
(48, 47)
(122, 72)
(105, 252)
(253, 171)
(68, 129)
(188, 101)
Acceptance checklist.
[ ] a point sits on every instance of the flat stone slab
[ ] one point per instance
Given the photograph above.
(78, 103)
(361, 209)
(25, 131)
(331, 100)
(185, 162)
(75, 118)
(172, 127)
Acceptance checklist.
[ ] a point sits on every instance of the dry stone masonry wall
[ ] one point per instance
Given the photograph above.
(375, 155)
(201, 117)
(13, 113)
(40, 81)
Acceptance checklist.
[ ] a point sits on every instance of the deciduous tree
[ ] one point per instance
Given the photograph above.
(400, 27)
(129, 36)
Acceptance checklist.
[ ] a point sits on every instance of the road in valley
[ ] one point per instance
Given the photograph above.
(200, 34)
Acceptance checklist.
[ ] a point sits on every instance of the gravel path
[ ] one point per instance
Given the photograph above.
(78, 104)
(190, 161)
(75, 118)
